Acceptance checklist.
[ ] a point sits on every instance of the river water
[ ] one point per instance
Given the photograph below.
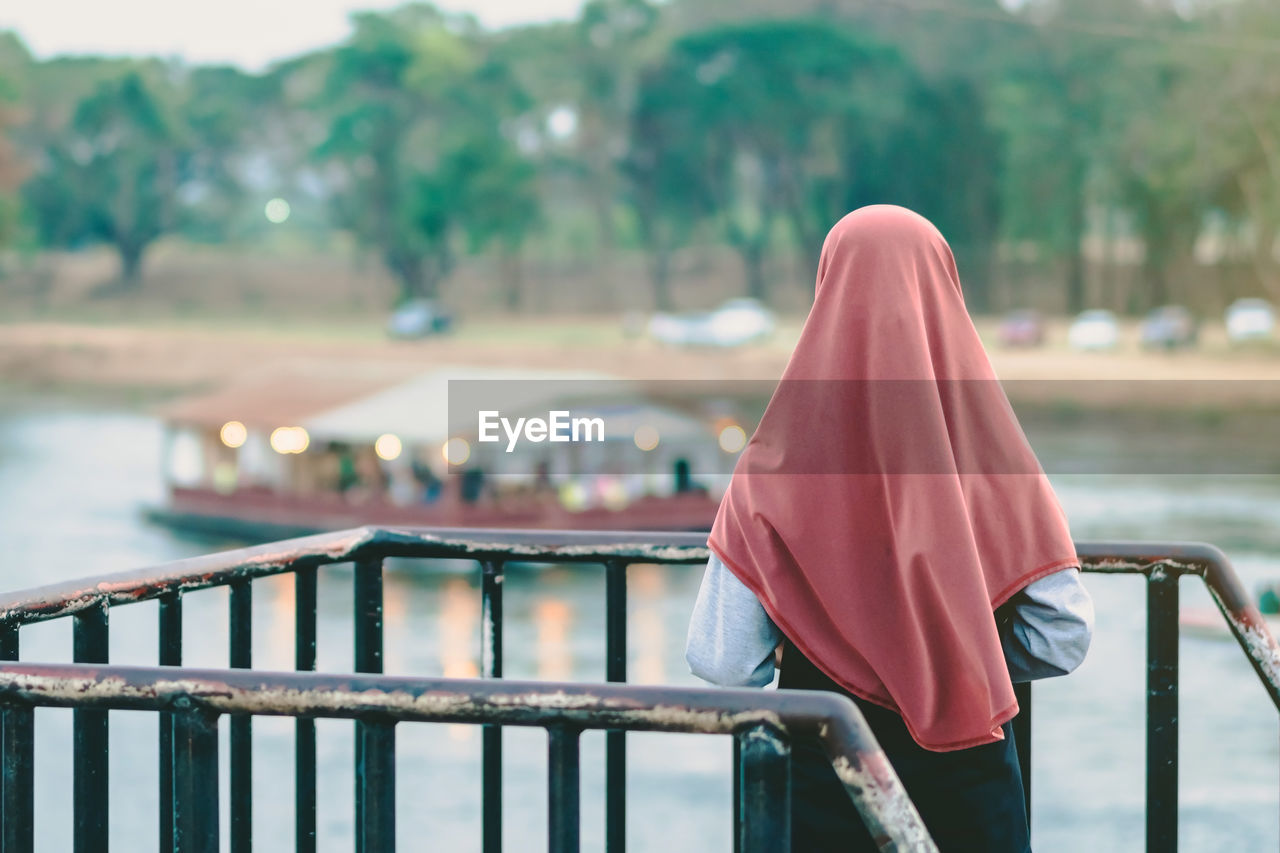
(72, 480)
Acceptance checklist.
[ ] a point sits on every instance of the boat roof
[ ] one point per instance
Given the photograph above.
(417, 410)
(282, 395)
(359, 403)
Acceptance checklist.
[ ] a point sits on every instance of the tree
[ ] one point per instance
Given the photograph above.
(1238, 95)
(943, 160)
(14, 61)
(416, 147)
(785, 121)
(230, 115)
(665, 185)
(115, 175)
(610, 39)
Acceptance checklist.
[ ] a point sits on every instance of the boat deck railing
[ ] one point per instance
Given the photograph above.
(762, 723)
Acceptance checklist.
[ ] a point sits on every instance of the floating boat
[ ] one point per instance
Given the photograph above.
(289, 452)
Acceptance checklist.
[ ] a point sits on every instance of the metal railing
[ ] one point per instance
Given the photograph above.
(763, 722)
(186, 701)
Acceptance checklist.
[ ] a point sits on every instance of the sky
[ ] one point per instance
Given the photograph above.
(248, 33)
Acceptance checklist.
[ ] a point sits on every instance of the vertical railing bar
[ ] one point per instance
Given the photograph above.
(736, 770)
(765, 791)
(196, 812)
(368, 658)
(615, 821)
(304, 660)
(491, 629)
(241, 657)
(1022, 740)
(170, 654)
(17, 764)
(90, 781)
(376, 775)
(563, 788)
(1162, 708)
(368, 616)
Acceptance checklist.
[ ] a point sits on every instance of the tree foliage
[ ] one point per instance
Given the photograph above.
(114, 175)
(416, 144)
(1039, 132)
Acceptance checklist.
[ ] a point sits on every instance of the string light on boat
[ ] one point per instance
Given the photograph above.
(573, 496)
(456, 451)
(233, 434)
(290, 440)
(646, 437)
(388, 447)
(733, 438)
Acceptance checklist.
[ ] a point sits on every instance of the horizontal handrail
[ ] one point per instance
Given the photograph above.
(220, 569)
(66, 599)
(1209, 563)
(856, 757)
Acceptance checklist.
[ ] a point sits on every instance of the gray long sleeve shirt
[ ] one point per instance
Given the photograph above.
(732, 639)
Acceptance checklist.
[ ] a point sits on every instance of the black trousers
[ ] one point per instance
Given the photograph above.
(971, 800)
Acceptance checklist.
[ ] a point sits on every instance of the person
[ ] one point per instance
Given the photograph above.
(890, 531)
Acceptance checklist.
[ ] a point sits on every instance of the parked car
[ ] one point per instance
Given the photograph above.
(1022, 328)
(736, 322)
(1093, 331)
(1169, 327)
(419, 318)
(1250, 320)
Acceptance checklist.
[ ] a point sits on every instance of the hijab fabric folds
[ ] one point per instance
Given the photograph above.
(889, 502)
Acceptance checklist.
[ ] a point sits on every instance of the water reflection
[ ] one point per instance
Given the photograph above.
(647, 588)
(276, 597)
(459, 621)
(552, 618)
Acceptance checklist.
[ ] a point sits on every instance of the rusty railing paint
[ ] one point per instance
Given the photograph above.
(199, 696)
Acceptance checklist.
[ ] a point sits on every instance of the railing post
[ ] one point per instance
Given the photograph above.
(17, 764)
(170, 654)
(563, 814)
(1162, 709)
(376, 787)
(491, 664)
(1022, 740)
(373, 741)
(615, 770)
(195, 780)
(736, 771)
(765, 791)
(241, 657)
(90, 783)
(304, 660)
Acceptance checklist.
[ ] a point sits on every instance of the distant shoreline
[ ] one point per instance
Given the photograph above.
(137, 365)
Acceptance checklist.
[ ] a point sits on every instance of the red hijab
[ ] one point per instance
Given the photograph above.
(888, 502)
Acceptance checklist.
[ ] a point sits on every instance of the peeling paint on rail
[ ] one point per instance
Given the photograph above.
(856, 756)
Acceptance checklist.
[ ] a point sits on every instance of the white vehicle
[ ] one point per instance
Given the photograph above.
(1094, 331)
(736, 322)
(419, 318)
(1250, 320)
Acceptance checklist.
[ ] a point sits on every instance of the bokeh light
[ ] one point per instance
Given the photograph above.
(277, 211)
(646, 437)
(733, 438)
(233, 434)
(388, 447)
(290, 440)
(456, 451)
